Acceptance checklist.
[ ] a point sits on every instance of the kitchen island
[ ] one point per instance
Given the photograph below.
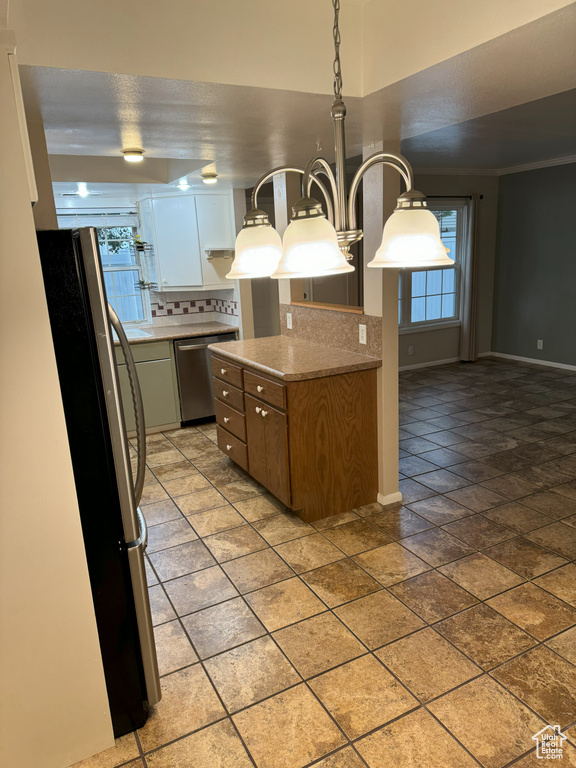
(301, 419)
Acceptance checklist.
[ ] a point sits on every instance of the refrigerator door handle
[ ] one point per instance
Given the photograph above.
(137, 402)
(142, 540)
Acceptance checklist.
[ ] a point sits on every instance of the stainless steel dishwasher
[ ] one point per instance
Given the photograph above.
(195, 375)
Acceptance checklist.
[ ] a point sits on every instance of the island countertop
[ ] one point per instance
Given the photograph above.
(292, 359)
(183, 331)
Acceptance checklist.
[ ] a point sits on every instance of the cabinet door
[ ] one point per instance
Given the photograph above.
(215, 230)
(157, 385)
(267, 438)
(176, 242)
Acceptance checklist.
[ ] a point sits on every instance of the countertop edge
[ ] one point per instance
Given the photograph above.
(175, 332)
(371, 363)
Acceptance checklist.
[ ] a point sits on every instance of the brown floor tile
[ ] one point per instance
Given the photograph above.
(183, 485)
(378, 619)
(536, 611)
(240, 490)
(476, 498)
(215, 520)
(235, 543)
(160, 606)
(544, 682)
(525, 557)
(125, 748)
(333, 520)
(317, 644)
(532, 761)
(159, 458)
(257, 570)
(309, 552)
(282, 527)
(561, 582)
(476, 471)
(510, 486)
(552, 504)
(362, 695)
(517, 517)
(160, 512)
(481, 576)
(558, 537)
(199, 590)
(436, 547)
(173, 648)
(289, 730)
(440, 510)
(427, 664)
(153, 492)
(188, 703)
(570, 521)
(221, 473)
(182, 559)
(412, 491)
(222, 627)
(151, 578)
(284, 603)
(344, 758)
(258, 507)
(169, 535)
(567, 489)
(340, 582)
(250, 673)
(433, 596)
(542, 476)
(442, 480)
(398, 522)
(391, 563)
(488, 721)
(200, 501)
(414, 741)
(478, 531)
(217, 745)
(172, 471)
(565, 645)
(356, 536)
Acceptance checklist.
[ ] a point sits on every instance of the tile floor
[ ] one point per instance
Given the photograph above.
(438, 634)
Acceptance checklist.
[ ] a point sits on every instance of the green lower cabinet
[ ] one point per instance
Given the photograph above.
(161, 405)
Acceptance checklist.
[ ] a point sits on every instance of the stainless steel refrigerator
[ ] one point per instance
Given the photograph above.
(114, 528)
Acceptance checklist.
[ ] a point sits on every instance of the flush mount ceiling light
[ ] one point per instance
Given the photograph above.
(83, 189)
(183, 185)
(209, 177)
(317, 244)
(133, 155)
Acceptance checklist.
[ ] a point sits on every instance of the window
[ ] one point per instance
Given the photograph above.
(432, 296)
(123, 274)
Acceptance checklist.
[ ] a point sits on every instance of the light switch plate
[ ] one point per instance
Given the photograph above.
(289, 320)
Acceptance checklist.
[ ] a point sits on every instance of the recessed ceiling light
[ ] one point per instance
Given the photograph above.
(209, 177)
(133, 155)
(183, 185)
(83, 189)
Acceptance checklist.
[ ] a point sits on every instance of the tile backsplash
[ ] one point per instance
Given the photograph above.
(193, 307)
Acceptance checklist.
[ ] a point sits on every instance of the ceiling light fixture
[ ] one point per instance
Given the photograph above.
(83, 189)
(209, 177)
(317, 244)
(183, 185)
(133, 155)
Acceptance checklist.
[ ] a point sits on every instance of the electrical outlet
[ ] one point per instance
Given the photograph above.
(410, 350)
(289, 320)
(362, 334)
(540, 344)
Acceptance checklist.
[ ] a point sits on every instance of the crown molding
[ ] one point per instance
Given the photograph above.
(495, 171)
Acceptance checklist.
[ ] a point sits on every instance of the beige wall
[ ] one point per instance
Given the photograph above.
(54, 708)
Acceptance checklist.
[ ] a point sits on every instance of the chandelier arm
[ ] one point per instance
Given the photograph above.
(380, 158)
(310, 174)
(301, 171)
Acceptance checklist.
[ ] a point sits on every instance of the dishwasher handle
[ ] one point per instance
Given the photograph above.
(191, 346)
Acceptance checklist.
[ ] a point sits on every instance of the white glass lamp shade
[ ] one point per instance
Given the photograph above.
(311, 249)
(411, 239)
(257, 252)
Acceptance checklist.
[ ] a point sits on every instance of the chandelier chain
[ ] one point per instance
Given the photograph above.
(337, 68)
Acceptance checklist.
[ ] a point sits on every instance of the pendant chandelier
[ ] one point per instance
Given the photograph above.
(316, 243)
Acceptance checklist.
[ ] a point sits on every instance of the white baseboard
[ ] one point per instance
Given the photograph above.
(431, 364)
(390, 498)
(532, 360)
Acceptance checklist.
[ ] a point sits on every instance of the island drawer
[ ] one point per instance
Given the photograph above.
(228, 394)
(232, 447)
(226, 371)
(231, 420)
(265, 389)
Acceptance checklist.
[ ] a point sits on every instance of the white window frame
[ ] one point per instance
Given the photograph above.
(460, 258)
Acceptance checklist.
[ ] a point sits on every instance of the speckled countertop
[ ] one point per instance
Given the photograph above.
(293, 359)
(168, 332)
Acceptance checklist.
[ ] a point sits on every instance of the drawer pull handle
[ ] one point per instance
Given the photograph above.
(228, 447)
(226, 419)
(223, 371)
(257, 409)
(259, 388)
(264, 413)
(225, 393)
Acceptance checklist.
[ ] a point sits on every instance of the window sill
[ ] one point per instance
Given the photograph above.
(428, 327)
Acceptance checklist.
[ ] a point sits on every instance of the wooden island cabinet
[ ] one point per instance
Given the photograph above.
(300, 418)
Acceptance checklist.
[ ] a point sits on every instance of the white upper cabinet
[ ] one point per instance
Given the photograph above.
(182, 228)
